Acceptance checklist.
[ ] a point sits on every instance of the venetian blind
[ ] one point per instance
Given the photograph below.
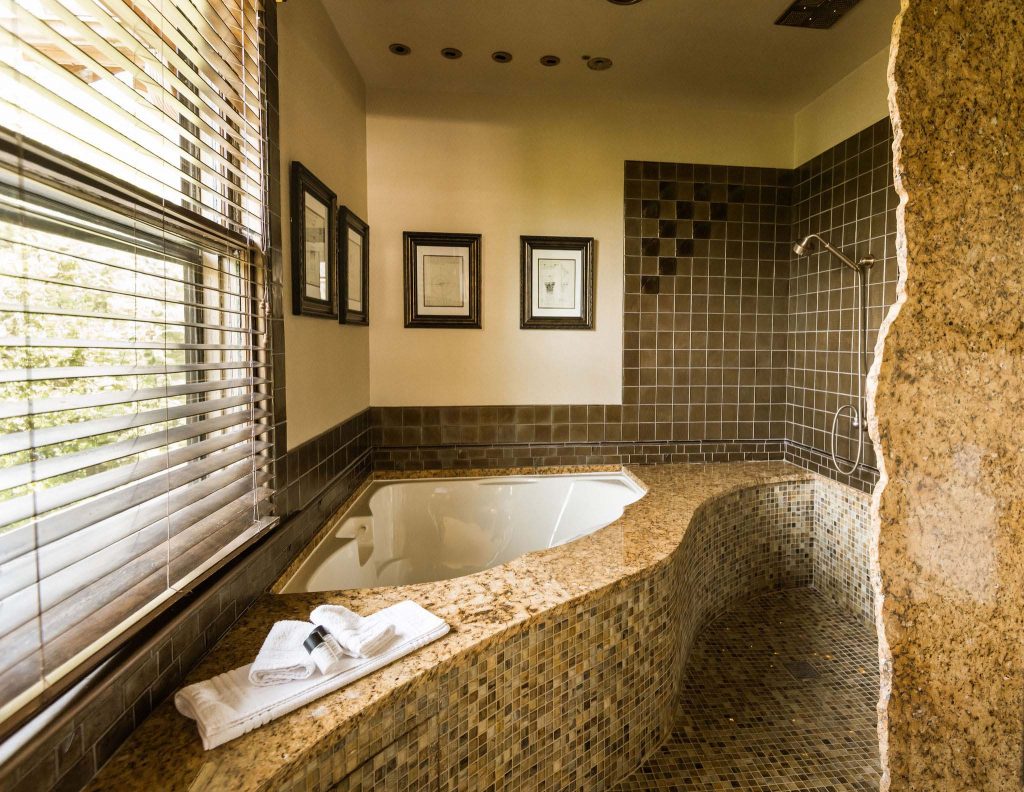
(134, 384)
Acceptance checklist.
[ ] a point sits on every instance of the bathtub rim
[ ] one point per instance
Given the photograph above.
(335, 519)
(342, 512)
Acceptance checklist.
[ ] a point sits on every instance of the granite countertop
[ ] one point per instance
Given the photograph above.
(165, 752)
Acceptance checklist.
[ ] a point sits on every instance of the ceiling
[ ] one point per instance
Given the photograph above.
(723, 53)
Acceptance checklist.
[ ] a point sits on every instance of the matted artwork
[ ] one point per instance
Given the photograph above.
(314, 262)
(442, 279)
(354, 268)
(557, 290)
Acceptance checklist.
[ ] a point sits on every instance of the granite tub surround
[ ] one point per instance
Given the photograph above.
(561, 668)
(948, 402)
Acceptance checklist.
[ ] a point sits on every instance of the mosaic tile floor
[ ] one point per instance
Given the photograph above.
(780, 696)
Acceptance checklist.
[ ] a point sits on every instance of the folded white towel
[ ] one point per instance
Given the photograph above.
(229, 705)
(359, 636)
(283, 658)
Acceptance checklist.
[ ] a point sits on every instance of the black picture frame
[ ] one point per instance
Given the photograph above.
(534, 317)
(448, 312)
(349, 221)
(303, 183)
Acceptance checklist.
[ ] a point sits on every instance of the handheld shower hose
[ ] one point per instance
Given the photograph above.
(805, 247)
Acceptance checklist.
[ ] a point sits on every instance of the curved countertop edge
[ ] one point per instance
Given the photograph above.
(164, 752)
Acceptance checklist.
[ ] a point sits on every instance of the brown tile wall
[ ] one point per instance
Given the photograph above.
(845, 194)
(437, 438)
(733, 347)
(704, 344)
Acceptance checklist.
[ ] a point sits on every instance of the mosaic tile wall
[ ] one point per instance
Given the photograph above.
(706, 266)
(579, 696)
(842, 534)
(846, 195)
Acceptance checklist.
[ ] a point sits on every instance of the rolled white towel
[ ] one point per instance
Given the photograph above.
(359, 636)
(282, 658)
(229, 705)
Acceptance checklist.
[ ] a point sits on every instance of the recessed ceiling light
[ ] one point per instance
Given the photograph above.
(599, 64)
(451, 53)
(550, 60)
(400, 49)
(501, 56)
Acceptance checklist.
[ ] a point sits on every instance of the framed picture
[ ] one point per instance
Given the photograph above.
(442, 279)
(314, 262)
(557, 288)
(353, 268)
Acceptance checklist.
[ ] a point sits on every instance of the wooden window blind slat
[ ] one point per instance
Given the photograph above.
(136, 408)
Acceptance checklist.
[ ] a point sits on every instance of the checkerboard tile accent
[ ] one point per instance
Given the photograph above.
(704, 324)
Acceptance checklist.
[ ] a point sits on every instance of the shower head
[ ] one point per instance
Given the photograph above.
(804, 247)
(807, 245)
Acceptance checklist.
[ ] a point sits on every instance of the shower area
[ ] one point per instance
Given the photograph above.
(753, 303)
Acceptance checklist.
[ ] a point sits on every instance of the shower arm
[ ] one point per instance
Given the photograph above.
(857, 414)
(856, 266)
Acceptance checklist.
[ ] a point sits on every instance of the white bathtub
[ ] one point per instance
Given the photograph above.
(418, 530)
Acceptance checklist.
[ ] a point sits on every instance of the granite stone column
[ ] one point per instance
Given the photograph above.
(949, 402)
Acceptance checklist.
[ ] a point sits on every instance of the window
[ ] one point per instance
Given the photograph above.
(135, 404)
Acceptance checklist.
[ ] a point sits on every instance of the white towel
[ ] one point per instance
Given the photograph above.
(359, 636)
(283, 658)
(229, 705)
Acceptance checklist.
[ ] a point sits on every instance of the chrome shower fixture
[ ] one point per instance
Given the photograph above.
(806, 247)
(857, 412)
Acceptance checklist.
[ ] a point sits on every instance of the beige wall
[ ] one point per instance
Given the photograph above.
(852, 104)
(327, 365)
(501, 168)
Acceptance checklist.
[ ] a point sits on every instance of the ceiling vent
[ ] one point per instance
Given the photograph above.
(820, 14)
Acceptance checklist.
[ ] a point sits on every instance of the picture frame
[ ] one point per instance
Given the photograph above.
(353, 268)
(442, 279)
(313, 243)
(556, 283)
